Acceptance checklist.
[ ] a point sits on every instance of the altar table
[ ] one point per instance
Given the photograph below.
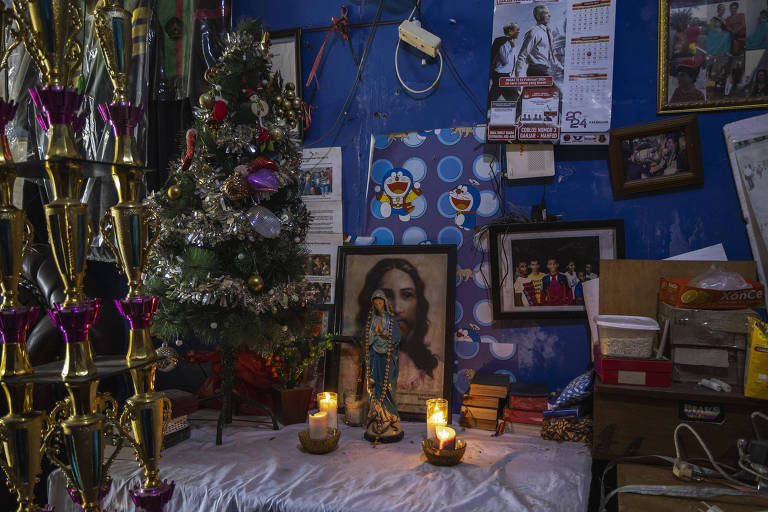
(262, 470)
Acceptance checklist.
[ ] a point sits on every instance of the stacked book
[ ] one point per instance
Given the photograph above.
(183, 403)
(482, 407)
(526, 403)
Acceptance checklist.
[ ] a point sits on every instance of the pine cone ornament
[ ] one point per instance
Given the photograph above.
(236, 186)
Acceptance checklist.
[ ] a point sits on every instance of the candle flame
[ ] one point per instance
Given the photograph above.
(437, 418)
(444, 434)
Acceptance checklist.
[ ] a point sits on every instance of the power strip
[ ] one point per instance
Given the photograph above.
(413, 34)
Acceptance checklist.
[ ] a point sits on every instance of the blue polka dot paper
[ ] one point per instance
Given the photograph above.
(436, 186)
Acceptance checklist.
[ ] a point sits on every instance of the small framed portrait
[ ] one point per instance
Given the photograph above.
(420, 285)
(286, 58)
(655, 156)
(713, 55)
(537, 270)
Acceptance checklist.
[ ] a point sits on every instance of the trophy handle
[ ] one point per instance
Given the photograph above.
(108, 404)
(59, 413)
(154, 222)
(106, 227)
(126, 417)
(118, 439)
(52, 452)
(29, 232)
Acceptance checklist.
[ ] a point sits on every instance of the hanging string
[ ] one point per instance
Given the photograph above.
(306, 110)
(340, 25)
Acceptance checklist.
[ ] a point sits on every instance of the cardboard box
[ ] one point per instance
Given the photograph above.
(676, 292)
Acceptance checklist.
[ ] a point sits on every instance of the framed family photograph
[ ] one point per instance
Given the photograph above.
(537, 270)
(713, 55)
(419, 282)
(655, 156)
(286, 58)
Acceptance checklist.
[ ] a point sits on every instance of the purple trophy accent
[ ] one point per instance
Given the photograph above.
(7, 111)
(74, 494)
(75, 321)
(14, 323)
(152, 500)
(138, 310)
(262, 180)
(78, 123)
(55, 104)
(123, 116)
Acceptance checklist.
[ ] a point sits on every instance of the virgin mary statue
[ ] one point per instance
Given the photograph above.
(382, 348)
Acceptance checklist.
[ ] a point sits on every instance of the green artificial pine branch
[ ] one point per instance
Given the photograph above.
(219, 279)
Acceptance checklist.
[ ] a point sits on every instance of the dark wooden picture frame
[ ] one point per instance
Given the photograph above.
(295, 74)
(561, 241)
(721, 66)
(440, 298)
(671, 142)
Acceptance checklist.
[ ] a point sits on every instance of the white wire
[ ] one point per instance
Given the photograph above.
(413, 91)
(397, 68)
(706, 450)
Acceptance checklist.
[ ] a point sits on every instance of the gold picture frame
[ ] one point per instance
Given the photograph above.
(722, 51)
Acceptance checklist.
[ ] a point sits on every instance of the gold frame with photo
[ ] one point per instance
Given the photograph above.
(663, 104)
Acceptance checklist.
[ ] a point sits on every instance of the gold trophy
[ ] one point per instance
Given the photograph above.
(21, 429)
(49, 30)
(134, 228)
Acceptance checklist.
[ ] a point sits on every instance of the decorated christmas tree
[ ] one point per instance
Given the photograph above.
(229, 260)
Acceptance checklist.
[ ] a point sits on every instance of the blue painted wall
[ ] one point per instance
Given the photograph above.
(657, 225)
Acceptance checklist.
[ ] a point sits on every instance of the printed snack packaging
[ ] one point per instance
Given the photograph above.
(756, 381)
(676, 292)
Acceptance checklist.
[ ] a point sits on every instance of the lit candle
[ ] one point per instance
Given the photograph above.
(327, 402)
(318, 425)
(446, 438)
(437, 419)
(437, 414)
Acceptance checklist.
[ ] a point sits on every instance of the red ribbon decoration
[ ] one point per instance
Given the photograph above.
(187, 160)
(340, 25)
(254, 377)
(306, 110)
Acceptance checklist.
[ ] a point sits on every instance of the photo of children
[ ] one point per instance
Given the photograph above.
(550, 271)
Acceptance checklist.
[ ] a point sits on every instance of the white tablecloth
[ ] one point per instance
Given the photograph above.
(263, 470)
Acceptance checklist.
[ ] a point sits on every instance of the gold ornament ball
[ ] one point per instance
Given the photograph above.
(279, 112)
(292, 123)
(255, 282)
(206, 100)
(290, 95)
(290, 86)
(276, 133)
(287, 105)
(296, 104)
(278, 100)
(174, 192)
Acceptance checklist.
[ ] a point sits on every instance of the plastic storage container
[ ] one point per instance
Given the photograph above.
(626, 336)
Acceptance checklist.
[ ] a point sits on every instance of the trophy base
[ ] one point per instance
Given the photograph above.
(152, 500)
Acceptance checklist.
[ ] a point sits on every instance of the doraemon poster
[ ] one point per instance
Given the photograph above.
(437, 186)
(397, 194)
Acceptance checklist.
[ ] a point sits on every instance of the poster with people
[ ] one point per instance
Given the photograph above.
(551, 71)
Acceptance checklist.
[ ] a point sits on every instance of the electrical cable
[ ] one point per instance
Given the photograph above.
(397, 51)
(449, 62)
(400, 79)
(356, 82)
(706, 450)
